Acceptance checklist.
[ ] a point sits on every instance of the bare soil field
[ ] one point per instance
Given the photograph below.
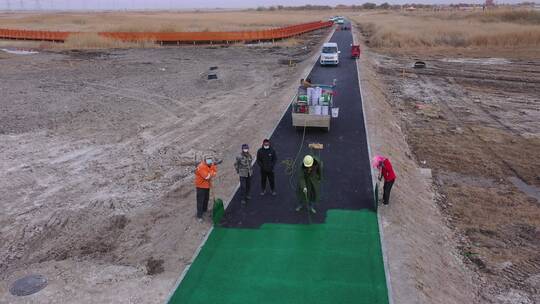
(471, 116)
(421, 250)
(97, 154)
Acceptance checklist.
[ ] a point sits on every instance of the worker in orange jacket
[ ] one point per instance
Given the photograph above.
(204, 174)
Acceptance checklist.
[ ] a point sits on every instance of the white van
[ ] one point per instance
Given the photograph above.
(330, 54)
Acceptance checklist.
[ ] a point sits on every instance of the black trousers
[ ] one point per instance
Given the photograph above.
(386, 194)
(245, 187)
(267, 175)
(203, 195)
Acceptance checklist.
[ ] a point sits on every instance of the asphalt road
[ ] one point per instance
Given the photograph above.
(346, 178)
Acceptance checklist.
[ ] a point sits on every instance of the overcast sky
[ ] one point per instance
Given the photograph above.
(186, 4)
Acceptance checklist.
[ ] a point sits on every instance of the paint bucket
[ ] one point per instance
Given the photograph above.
(324, 110)
(310, 93)
(335, 112)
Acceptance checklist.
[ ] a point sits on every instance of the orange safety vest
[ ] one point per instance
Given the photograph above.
(204, 174)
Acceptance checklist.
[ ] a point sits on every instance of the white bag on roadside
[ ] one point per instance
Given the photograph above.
(335, 112)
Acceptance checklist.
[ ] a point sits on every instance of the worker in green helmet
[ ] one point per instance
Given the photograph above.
(309, 183)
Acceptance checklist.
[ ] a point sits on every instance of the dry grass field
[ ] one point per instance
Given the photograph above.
(90, 23)
(159, 21)
(95, 41)
(423, 31)
(89, 41)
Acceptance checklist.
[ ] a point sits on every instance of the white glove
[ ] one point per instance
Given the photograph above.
(305, 190)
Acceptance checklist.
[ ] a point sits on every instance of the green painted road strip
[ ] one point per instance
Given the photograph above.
(339, 261)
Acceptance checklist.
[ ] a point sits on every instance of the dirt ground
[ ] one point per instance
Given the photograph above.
(420, 251)
(472, 124)
(98, 150)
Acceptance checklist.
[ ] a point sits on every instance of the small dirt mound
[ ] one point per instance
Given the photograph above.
(154, 266)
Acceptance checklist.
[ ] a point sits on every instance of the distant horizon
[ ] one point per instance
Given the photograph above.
(101, 5)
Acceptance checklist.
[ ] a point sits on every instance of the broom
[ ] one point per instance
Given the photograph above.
(218, 210)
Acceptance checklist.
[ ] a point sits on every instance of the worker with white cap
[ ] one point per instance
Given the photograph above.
(245, 171)
(309, 183)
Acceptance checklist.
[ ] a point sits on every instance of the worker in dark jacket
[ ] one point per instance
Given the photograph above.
(244, 170)
(387, 172)
(309, 183)
(267, 159)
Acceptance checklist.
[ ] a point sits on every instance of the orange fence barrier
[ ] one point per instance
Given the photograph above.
(33, 35)
(178, 37)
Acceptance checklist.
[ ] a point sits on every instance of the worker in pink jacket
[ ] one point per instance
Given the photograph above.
(387, 172)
